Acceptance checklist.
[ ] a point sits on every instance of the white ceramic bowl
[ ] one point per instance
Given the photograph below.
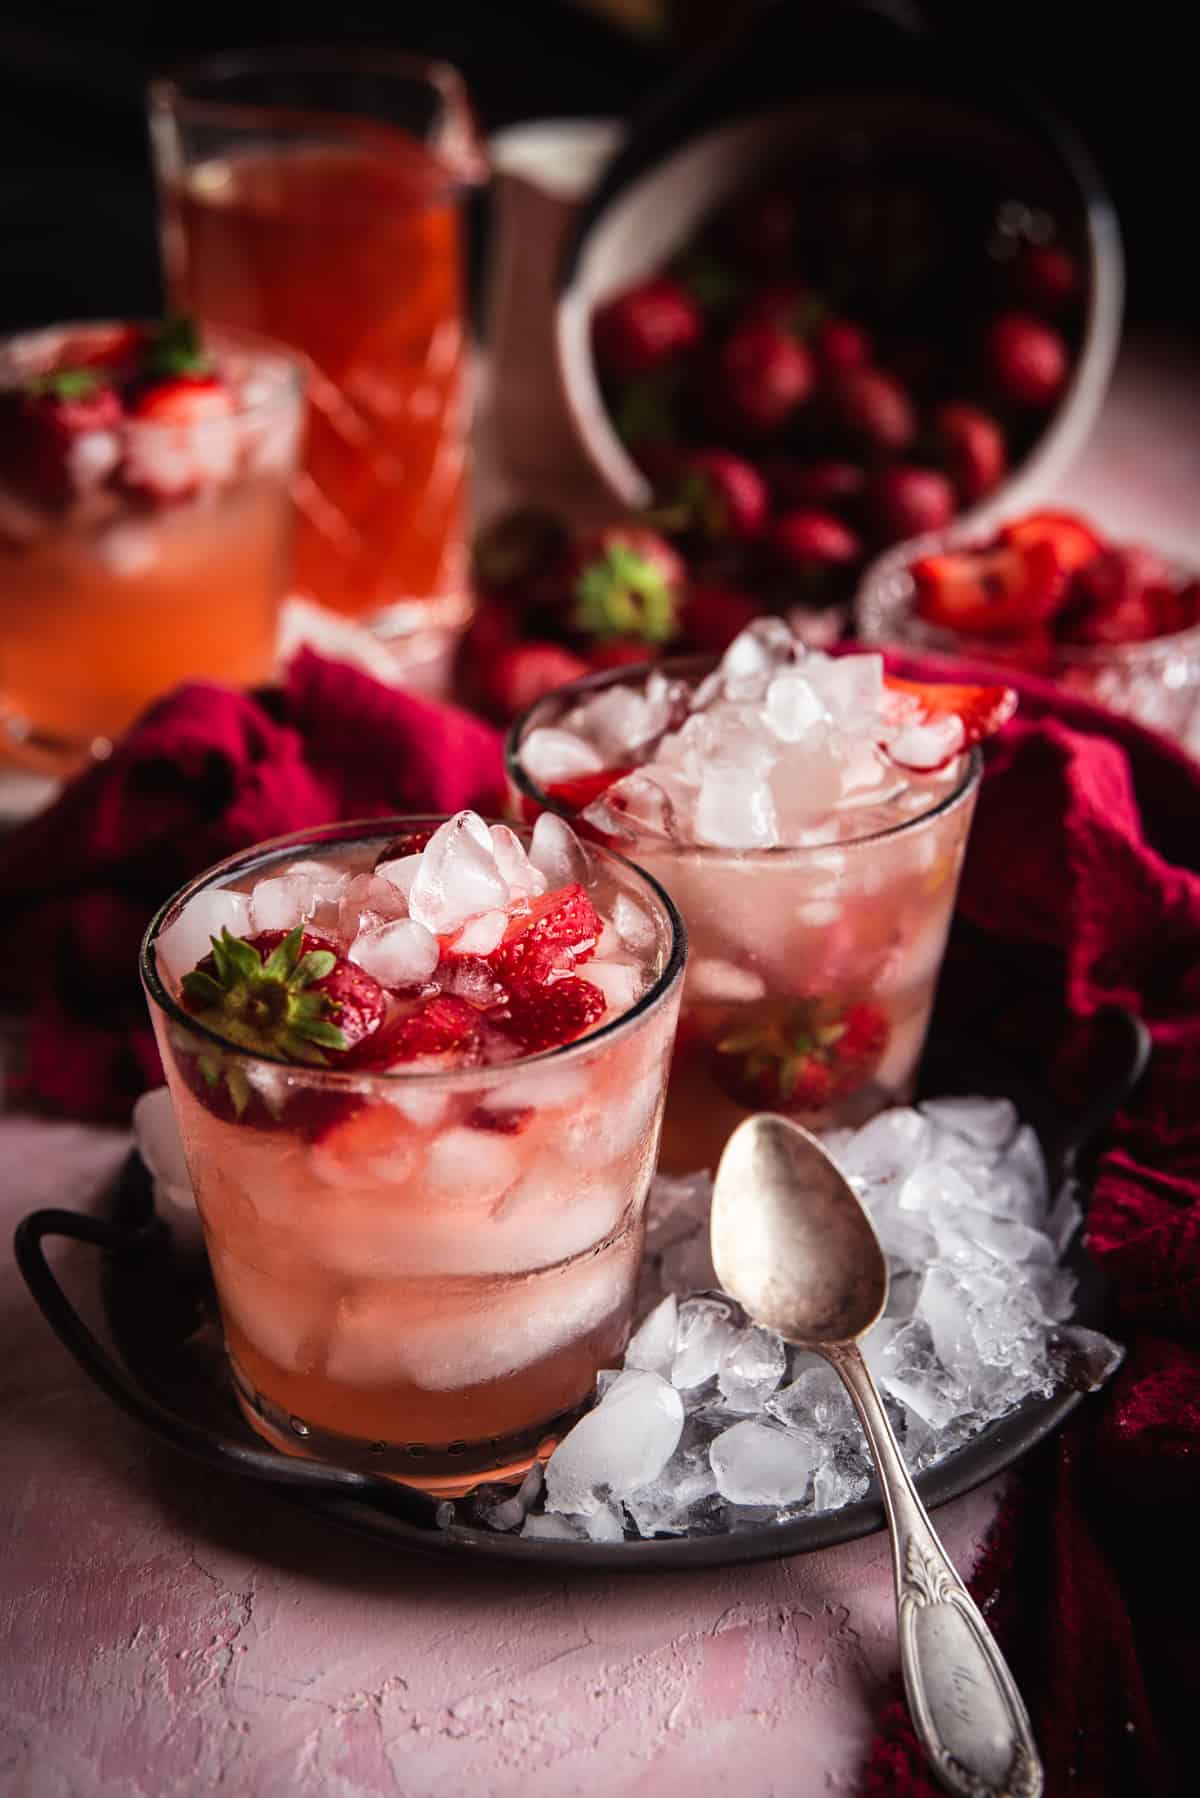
(640, 225)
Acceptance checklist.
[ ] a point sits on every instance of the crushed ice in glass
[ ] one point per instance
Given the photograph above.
(781, 744)
(715, 1423)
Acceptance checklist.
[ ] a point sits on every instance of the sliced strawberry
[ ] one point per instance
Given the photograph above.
(577, 794)
(1117, 597)
(542, 1017)
(990, 592)
(57, 436)
(508, 1120)
(189, 441)
(981, 710)
(1074, 543)
(184, 400)
(444, 1027)
(559, 930)
(799, 1056)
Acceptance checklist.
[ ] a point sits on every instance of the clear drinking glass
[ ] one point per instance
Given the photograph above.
(147, 555)
(421, 1273)
(790, 949)
(317, 197)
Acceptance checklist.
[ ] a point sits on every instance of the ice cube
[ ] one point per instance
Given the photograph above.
(473, 1164)
(282, 902)
(595, 1135)
(914, 1376)
(988, 1123)
(633, 924)
(479, 936)
(471, 979)
(792, 707)
(402, 954)
(735, 810)
(387, 1331)
(751, 1368)
(161, 1148)
(652, 800)
(835, 1487)
(724, 982)
(543, 1219)
(621, 982)
(421, 1104)
(367, 901)
(620, 722)
(762, 647)
(279, 1317)
(549, 756)
(126, 549)
(816, 1400)
(458, 877)
(524, 880)
(652, 1347)
(850, 686)
(605, 1524)
(400, 873)
(557, 853)
(686, 1486)
(185, 941)
(755, 1464)
(706, 1330)
(511, 1512)
(624, 1442)
(927, 745)
(886, 1151)
(547, 1528)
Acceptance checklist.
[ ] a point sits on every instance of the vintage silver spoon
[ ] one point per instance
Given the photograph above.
(792, 1243)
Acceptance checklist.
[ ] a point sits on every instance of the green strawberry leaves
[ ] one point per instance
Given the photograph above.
(266, 1007)
(623, 594)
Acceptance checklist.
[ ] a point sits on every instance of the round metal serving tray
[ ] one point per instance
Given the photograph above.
(169, 1370)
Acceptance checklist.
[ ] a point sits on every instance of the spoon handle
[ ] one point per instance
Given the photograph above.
(964, 1703)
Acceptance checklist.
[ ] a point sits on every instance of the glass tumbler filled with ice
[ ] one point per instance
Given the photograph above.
(808, 814)
(418, 1068)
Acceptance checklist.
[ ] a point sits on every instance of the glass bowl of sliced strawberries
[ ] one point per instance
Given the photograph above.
(1050, 595)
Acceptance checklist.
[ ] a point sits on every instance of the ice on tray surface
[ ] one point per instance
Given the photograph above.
(716, 1421)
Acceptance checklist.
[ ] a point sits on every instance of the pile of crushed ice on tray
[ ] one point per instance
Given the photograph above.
(712, 1423)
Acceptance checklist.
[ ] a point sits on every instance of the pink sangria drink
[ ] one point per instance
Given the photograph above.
(418, 1069)
(808, 815)
(145, 523)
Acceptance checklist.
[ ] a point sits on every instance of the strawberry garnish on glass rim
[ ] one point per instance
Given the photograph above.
(981, 712)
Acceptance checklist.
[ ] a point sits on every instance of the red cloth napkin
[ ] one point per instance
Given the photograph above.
(1082, 888)
(204, 772)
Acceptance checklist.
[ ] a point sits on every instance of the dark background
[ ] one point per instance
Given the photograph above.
(76, 199)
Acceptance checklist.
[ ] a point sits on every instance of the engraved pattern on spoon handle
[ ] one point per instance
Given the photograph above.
(963, 1700)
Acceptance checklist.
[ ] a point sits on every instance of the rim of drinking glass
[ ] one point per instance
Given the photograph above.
(694, 668)
(354, 830)
(168, 94)
(287, 391)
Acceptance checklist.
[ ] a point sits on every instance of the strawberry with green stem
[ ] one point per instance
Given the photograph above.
(625, 581)
(801, 1055)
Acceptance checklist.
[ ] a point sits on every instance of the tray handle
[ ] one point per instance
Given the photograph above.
(210, 1446)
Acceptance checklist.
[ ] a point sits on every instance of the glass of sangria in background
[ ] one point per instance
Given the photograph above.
(809, 817)
(145, 523)
(317, 198)
(418, 1068)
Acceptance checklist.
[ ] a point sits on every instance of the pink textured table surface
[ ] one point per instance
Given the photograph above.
(164, 1632)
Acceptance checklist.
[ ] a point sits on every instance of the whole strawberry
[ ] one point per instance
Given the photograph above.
(286, 995)
(646, 327)
(810, 542)
(526, 672)
(905, 501)
(1048, 277)
(829, 484)
(624, 581)
(972, 448)
(840, 346)
(1027, 359)
(763, 374)
(713, 494)
(873, 408)
(800, 1056)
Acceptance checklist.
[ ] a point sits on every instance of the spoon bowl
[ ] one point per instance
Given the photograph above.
(790, 1239)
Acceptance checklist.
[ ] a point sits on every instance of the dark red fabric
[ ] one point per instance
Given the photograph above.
(1082, 888)
(204, 772)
